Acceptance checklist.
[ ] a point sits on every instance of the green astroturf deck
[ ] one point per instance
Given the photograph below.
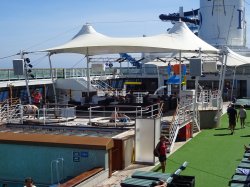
(213, 155)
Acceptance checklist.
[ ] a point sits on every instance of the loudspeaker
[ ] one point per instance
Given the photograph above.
(18, 66)
(195, 67)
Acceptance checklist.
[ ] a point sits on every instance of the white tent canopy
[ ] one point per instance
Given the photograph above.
(90, 42)
(157, 63)
(235, 59)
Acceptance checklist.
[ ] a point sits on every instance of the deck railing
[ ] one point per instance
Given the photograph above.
(133, 112)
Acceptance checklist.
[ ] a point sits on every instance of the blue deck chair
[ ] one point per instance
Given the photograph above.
(147, 179)
(241, 179)
(246, 160)
(246, 155)
(233, 184)
(150, 175)
(244, 165)
(157, 175)
(242, 171)
(135, 182)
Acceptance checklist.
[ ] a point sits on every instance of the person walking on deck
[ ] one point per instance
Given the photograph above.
(161, 149)
(232, 116)
(243, 115)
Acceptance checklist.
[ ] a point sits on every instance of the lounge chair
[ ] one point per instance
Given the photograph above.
(242, 171)
(147, 179)
(150, 175)
(135, 182)
(246, 155)
(233, 184)
(240, 179)
(246, 160)
(244, 165)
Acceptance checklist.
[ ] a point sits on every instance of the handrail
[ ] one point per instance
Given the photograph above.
(182, 116)
(149, 111)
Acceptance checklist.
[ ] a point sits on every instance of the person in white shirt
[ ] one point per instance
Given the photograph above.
(243, 115)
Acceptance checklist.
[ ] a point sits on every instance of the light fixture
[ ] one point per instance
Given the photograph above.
(27, 60)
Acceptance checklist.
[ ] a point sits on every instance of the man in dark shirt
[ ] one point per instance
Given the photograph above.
(232, 116)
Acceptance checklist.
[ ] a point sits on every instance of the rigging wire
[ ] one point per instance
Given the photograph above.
(39, 60)
(78, 62)
(1, 58)
(52, 38)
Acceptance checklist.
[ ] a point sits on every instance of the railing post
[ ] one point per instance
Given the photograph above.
(64, 73)
(115, 116)
(44, 116)
(21, 113)
(9, 75)
(136, 112)
(90, 115)
(152, 111)
(141, 112)
(8, 111)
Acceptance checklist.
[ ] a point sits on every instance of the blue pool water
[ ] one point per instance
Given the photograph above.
(46, 164)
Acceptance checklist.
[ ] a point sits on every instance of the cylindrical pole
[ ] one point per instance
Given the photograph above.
(180, 77)
(52, 78)
(232, 90)
(26, 78)
(88, 73)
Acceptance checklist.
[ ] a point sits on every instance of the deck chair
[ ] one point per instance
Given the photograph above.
(156, 175)
(136, 182)
(240, 179)
(233, 184)
(150, 175)
(246, 155)
(242, 171)
(246, 160)
(244, 165)
(147, 179)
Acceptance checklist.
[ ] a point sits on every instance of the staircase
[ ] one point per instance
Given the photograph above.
(101, 85)
(184, 115)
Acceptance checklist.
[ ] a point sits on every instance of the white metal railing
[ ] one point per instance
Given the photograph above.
(184, 115)
(60, 112)
(189, 112)
(132, 112)
(208, 99)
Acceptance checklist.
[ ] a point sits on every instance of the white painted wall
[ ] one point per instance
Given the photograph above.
(222, 22)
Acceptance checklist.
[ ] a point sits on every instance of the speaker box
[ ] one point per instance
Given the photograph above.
(195, 67)
(18, 66)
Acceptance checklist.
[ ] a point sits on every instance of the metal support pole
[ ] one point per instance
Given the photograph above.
(90, 115)
(52, 78)
(88, 73)
(115, 116)
(221, 72)
(222, 84)
(232, 90)
(26, 78)
(180, 77)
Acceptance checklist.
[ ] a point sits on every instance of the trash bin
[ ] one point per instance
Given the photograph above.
(182, 180)
(184, 133)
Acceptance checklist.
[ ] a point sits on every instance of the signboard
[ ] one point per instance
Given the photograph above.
(76, 156)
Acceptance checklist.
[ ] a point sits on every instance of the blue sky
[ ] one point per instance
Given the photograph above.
(38, 24)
